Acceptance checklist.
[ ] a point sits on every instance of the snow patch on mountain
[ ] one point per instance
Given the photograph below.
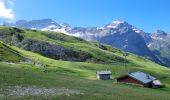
(115, 24)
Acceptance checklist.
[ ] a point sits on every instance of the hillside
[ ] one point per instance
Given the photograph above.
(9, 55)
(59, 46)
(119, 34)
(71, 79)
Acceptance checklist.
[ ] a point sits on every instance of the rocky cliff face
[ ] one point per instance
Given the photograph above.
(160, 46)
(54, 51)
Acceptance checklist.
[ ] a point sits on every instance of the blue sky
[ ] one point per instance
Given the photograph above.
(148, 15)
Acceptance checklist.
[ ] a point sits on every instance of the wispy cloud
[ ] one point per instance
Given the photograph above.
(6, 12)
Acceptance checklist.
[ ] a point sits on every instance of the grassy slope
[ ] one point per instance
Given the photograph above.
(9, 55)
(69, 42)
(81, 76)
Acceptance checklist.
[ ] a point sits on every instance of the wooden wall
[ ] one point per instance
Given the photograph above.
(128, 79)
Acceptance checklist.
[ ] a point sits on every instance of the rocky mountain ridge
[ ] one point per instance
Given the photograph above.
(119, 34)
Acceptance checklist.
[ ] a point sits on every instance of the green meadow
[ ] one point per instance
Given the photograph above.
(72, 80)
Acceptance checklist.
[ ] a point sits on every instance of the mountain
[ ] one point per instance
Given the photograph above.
(160, 45)
(119, 34)
(34, 24)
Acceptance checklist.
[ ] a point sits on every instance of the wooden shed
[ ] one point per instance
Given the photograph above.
(141, 79)
(104, 75)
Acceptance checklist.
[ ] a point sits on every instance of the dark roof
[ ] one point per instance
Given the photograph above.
(140, 76)
(104, 72)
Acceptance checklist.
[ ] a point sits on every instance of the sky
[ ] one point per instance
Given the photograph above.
(148, 15)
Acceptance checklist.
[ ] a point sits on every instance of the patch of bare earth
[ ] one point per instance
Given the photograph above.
(20, 91)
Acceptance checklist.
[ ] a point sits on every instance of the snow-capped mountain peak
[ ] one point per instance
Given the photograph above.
(89, 33)
(117, 24)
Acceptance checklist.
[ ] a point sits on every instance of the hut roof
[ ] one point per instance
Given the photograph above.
(142, 77)
(108, 72)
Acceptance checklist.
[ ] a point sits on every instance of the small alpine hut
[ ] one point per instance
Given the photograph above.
(104, 75)
(141, 79)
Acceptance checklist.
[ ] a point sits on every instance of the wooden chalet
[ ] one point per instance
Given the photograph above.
(141, 79)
